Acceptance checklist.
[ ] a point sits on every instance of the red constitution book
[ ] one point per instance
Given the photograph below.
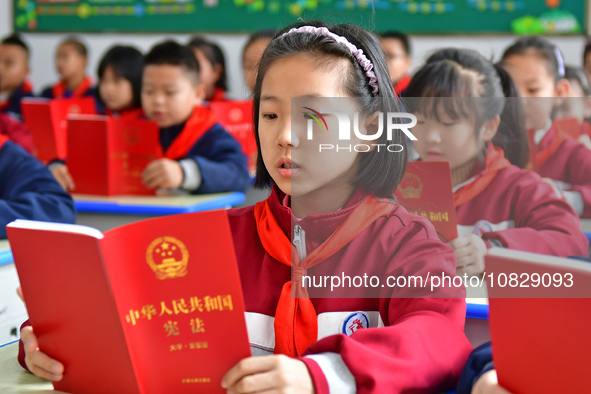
(426, 190)
(47, 121)
(236, 117)
(150, 307)
(108, 155)
(539, 321)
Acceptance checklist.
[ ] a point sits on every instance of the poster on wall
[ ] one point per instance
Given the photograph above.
(411, 16)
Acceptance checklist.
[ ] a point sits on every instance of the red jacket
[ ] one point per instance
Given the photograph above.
(422, 347)
(570, 164)
(16, 131)
(522, 212)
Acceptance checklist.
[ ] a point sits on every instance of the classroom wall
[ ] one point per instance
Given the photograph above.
(43, 47)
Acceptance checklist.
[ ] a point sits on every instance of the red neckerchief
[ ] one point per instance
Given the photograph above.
(547, 147)
(135, 113)
(218, 94)
(26, 87)
(3, 139)
(495, 161)
(296, 324)
(198, 124)
(59, 89)
(401, 85)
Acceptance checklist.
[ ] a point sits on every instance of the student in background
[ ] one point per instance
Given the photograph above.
(200, 156)
(413, 344)
(587, 59)
(212, 68)
(119, 91)
(537, 67)
(120, 82)
(396, 46)
(578, 103)
(70, 62)
(252, 53)
(28, 191)
(459, 105)
(16, 132)
(14, 70)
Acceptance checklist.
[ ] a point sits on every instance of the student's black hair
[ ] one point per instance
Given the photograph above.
(380, 171)
(214, 55)
(543, 48)
(172, 53)
(400, 36)
(512, 134)
(451, 76)
(77, 44)
(577, 74)
(128, 63)
(586, 51)
(16, 40)
(267, 34)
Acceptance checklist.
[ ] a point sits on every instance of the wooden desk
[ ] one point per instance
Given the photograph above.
(14, 379)
(105, 213)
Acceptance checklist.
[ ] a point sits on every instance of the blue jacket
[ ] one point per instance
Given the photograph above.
(29, 191)
(480, 361)
(219, 157)
(14, 102)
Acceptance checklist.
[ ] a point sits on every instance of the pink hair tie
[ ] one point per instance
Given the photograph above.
(358, 53)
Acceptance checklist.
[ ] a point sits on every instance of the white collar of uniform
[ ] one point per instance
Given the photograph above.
(541, 133)
(461, 185)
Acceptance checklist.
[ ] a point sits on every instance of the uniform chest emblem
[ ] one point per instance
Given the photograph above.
(354, 322)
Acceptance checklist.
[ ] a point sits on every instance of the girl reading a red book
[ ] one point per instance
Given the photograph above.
(332, 213)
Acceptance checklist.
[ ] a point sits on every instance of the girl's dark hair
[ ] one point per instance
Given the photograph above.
(380, 171)
(573, 73)
(214, 55)
(127, 63)
(448, 78)
(268, 34)
(512, 134)
(77, 44)
(543, 48)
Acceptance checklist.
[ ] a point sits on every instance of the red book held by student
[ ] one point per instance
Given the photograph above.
(426, 190)
(151, 307)
(236, 117)
(47, 121)
(539, 321)
(108, 155)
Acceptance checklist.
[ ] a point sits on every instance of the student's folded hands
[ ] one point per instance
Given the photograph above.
(470, 251)
(39, 363)
(163, 173)
(268, 374)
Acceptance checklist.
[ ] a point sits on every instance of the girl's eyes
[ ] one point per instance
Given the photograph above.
(270, 116)
(448, 124)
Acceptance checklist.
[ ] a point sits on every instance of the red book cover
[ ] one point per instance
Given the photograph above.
(108, 155)
(236, 117)
(570, 126)
(539, 321)
(426, 190)
(47, 121)
(151, 307)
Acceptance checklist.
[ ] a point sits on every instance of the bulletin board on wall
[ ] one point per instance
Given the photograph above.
(232, 16)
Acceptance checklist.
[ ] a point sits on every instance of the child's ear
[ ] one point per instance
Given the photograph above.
(372, 125)
(562, 90)
(489, 129)
(200, 93)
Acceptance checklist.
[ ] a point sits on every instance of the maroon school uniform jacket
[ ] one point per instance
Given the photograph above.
(388, 343)
(518, 210)
(570, 163)
(16, 131)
